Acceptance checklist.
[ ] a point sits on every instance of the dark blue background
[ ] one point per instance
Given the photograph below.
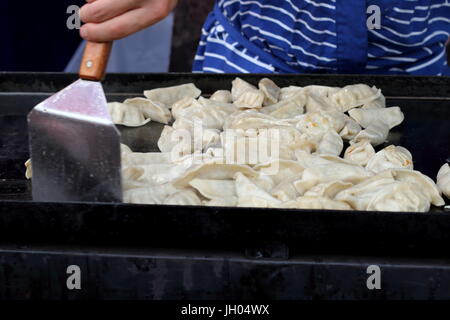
(34, 36)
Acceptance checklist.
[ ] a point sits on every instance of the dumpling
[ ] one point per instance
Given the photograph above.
(321, 91)
(328, 189)
(124, 149)
(350, 130)
(377, 133)
(208, 115)
(425, 184)
(153, 110)
(399, 197)
(179, 106)
(250, 195)
(239, 87)
(316, 103)
(391, 157)
(271, 91)
(168, 96)
(286, 109)
(251, 99)
(185, 197)
(127, 115)
(214, 189)
(29, 170)
(225, 107)
(285, 191)
(354, 96)
(443, 180)
(153, 174)
(222, 96)
(392, 117)
(326, 168)
(171, 138)
(280, 170)
(360, 195)
(360, 152)
(289, 92)
(213, 171)
(331, 144)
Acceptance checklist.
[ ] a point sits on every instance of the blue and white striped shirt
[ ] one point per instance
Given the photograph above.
(326, 36)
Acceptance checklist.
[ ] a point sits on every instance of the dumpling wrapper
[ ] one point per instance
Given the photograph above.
(359, 195)
(28, 169)
(214, 171)
(214, 189)
(392, 117)
(285, 191)
(279, 170)
(316, 103)
(153, 110)
(288, 92)
(399, 197)
(185, 197)
(391, 157)
(239, 87)
(350, 129)
(251, 99)
(328, 189)
(286, 109)
(443, 180)
(331, 144)
(171, 138)
(179, 106)
(271, 91)
(354, 96)
(377, 133)
(222, 96)
(250, 195)
(360, 152)
(126, 114)
(425, 184)
(168, 96)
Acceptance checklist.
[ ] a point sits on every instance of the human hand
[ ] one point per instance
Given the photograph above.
(107, 20)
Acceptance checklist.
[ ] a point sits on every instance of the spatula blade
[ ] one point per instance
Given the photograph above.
(75, 147)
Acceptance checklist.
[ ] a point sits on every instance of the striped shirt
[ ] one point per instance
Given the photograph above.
(326, 36)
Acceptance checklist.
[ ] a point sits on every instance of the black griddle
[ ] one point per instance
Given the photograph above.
(253, 233)
(425, 132)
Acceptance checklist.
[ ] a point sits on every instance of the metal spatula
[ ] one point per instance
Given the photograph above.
(74, 146)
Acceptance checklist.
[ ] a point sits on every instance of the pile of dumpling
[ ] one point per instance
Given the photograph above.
(311, 169)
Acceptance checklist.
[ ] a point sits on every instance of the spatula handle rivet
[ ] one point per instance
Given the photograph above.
(89, 64)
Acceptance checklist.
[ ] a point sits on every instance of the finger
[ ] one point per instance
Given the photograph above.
(121, 26)
(97, 11)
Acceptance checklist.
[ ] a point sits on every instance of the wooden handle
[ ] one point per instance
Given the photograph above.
(95, 60)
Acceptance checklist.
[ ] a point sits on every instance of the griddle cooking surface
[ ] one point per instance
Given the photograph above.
(425, 132)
